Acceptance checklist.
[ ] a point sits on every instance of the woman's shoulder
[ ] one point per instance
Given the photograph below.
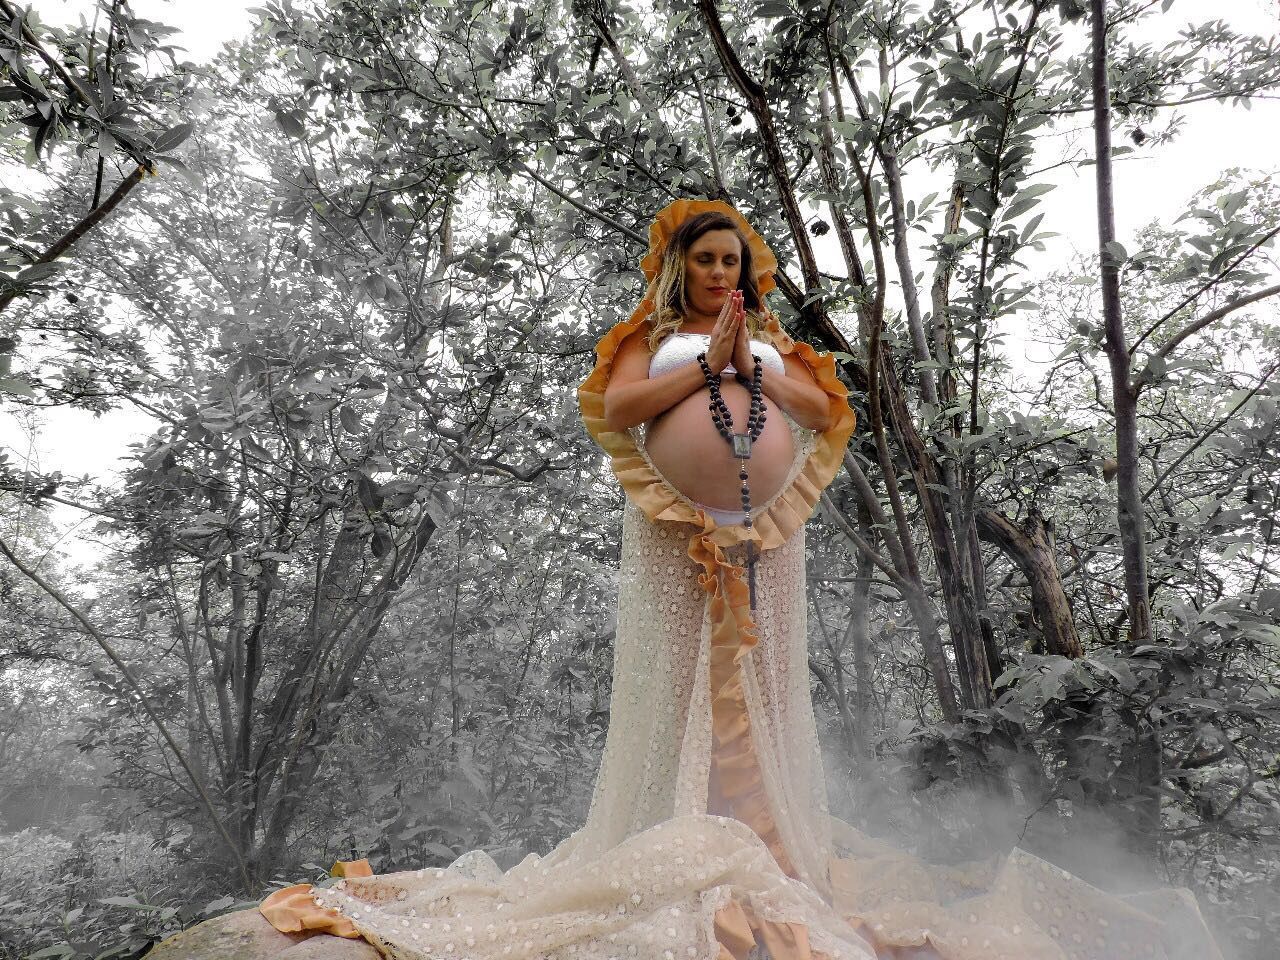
(634, 345)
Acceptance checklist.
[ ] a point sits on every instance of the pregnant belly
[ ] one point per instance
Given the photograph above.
(687, 449)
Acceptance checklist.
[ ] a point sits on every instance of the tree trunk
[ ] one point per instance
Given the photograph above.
(860, 639)
(1031, 548)
(1131, 519)
(1138, 780)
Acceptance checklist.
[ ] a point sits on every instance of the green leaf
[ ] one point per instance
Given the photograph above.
(172, 137)
(36, 272)
(350, 420)
(1231, 203)
(220, 904)
(1115, 249)
(130, 902)
(106, 144)
(291, 125)
(184, 171)
(368, 493)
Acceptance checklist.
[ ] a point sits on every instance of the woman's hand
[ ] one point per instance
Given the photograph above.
(724, 334)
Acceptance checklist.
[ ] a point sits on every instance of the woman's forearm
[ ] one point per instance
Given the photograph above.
(806, 403)
(629, 404)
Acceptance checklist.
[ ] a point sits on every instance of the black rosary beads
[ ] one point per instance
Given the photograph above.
(741, 444)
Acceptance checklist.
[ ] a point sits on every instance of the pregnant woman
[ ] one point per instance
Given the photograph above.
(708, 832)
(699, 362)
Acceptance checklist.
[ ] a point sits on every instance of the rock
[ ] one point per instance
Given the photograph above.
(246, 935)
(324, 947)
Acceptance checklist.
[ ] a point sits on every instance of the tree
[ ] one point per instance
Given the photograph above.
(86, 90)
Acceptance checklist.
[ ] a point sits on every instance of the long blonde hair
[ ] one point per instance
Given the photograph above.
(670, 294)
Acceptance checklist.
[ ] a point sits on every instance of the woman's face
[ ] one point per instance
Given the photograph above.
(712, 267)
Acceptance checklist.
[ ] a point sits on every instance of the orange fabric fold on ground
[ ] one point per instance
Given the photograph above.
(294, 910)
(738, 930)
(351, 868)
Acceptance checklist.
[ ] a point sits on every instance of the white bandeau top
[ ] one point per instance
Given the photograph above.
(681, 348)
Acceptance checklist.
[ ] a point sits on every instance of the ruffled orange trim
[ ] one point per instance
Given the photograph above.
(294, 909)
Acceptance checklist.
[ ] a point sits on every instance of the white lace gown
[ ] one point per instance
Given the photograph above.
(697, 681)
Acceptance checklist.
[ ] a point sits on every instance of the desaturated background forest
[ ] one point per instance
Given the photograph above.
(353, 595)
